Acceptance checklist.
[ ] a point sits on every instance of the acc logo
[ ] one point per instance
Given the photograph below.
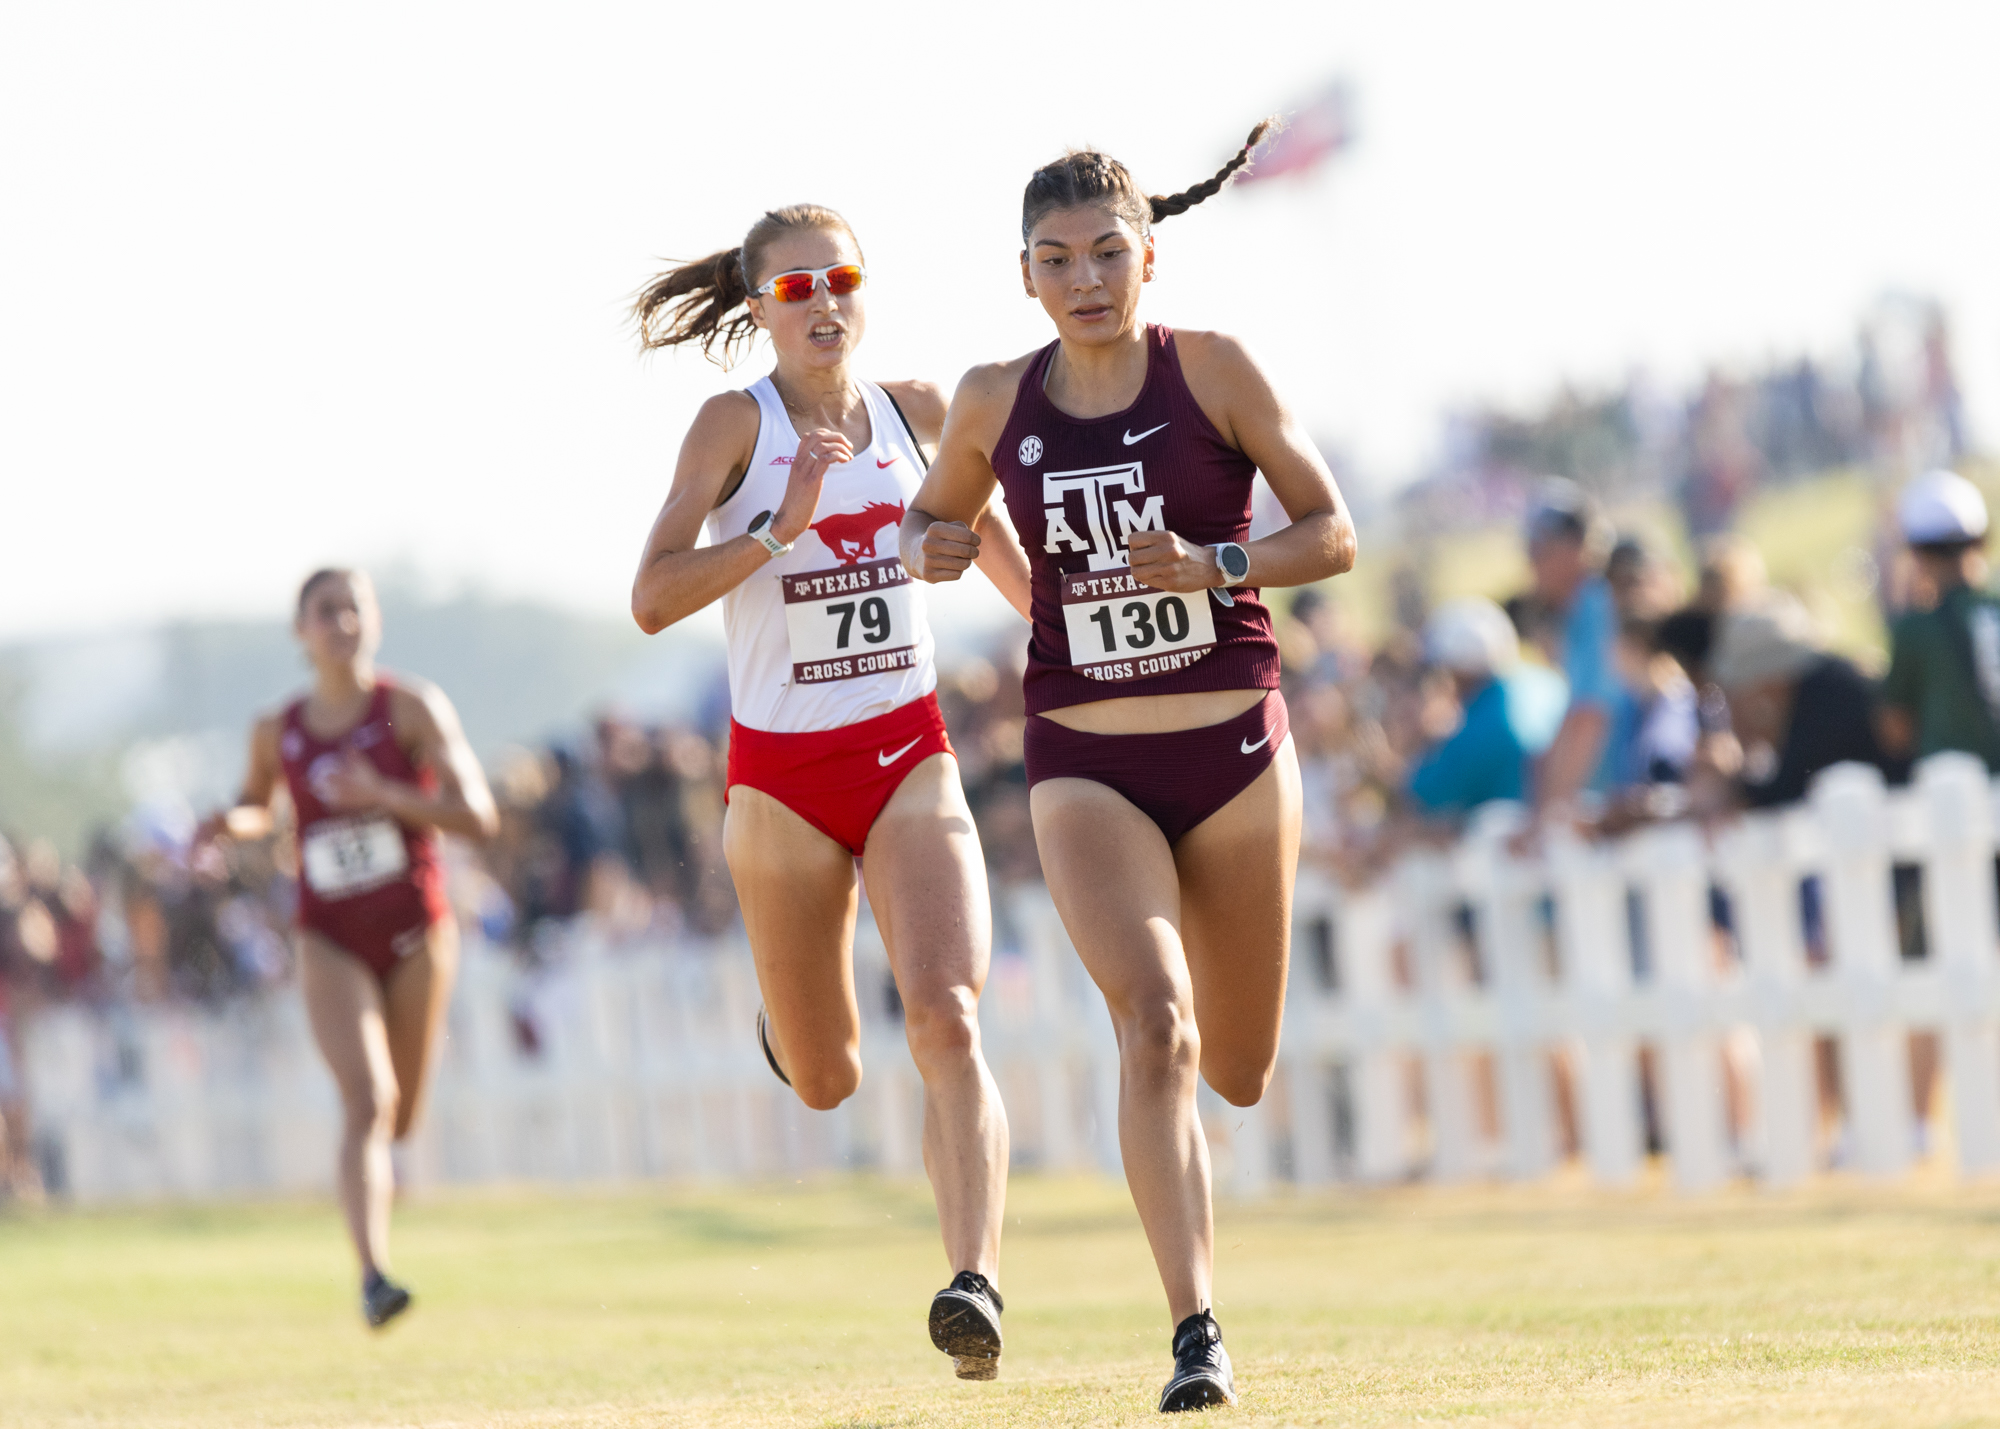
(1031, 450)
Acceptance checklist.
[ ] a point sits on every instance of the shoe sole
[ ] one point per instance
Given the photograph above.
(1201, 1393)
(764, 1041)
(960, 1327)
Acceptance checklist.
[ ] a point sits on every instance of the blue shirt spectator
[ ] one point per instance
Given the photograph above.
(1512, 711)
(1590, 664)
(1568, 540)
(1509, 721)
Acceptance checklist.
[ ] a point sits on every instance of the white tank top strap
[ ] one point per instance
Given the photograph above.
(834, 632)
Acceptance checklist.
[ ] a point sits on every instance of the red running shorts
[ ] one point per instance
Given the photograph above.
(837, 780)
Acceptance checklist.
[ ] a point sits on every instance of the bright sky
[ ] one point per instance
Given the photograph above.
(283, 285)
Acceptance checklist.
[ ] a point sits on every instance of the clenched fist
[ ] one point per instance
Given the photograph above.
(949, 547)
(1164, 561)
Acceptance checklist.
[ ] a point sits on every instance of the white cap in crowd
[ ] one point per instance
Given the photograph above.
(1472, 636)
(1941, 508)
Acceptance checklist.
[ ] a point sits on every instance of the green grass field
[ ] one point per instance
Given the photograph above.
(804, 1305)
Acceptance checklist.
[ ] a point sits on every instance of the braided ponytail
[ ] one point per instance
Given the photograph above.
(705, 301)
(1084, 177)
(1208, 188)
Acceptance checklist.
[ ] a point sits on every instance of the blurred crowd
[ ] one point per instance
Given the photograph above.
(622, 826)
(1616, 687)
(1889, 402)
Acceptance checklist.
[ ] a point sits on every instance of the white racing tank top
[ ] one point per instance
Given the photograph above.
(834, 633)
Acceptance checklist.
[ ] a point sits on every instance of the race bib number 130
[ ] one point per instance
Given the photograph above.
(851, 621)
(1121, 630)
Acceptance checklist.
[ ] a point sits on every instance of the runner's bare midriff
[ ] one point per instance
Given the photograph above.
(1155, 714)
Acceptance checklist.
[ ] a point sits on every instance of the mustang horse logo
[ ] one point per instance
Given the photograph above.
(851, 535)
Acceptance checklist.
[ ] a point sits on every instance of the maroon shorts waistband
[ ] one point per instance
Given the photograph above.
(1176, 779)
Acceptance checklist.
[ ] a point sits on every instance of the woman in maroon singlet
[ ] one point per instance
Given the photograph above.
(1162, 780)
(376, 769)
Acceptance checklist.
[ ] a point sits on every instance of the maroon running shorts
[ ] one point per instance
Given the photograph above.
(1175, 779)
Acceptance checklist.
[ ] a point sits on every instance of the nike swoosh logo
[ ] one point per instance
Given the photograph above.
(1129, 438)
(885, 760)
(1249, 748)
(890, 462)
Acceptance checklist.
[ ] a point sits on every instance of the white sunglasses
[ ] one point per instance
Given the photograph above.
(796, 285)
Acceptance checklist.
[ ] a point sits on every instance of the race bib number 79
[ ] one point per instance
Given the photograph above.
(851, 621)
(1121, 630)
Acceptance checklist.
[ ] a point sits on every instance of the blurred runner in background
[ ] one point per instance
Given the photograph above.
(837, 748)
(375, 768)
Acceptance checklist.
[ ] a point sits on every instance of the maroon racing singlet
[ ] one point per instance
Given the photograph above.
(1076, 488)
(367, 883)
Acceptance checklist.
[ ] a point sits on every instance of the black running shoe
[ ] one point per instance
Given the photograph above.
(382, 1300)
(764, 1041)
(1202, 1377)
(965, 1324)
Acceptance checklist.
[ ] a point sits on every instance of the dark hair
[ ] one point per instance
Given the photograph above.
(1687, 635)
(1629, 557)
(1084, 177)
(1562, 510)
(703, 301)
(1948, 550)
(1642, 631)
(326, 573)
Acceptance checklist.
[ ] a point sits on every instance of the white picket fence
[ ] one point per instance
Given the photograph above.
(1432, 1024)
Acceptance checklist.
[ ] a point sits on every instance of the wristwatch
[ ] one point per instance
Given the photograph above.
(1234, 563)
(760, 532)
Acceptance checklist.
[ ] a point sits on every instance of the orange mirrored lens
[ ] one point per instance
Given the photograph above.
(793, 287)
(842, 280)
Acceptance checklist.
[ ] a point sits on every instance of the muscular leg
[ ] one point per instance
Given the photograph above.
(1115, 884)
(927, 885)
(344, 1006)
(1236, 872)
(796, 887)
(414, 1006)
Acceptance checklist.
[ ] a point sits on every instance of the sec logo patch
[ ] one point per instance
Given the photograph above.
(1031, 450)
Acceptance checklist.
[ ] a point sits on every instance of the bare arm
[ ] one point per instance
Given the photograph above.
(996, 551)
(1572, 756)
(923, 407)
(1240, 400)
(676, 578)
(941, 530)
(1896, 729)
(1001, 558)
(427, 726)
(250, 816)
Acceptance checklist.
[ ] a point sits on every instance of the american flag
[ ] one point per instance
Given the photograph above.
(1313, 133)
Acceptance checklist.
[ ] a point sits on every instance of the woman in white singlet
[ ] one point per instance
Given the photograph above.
(837, 751)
